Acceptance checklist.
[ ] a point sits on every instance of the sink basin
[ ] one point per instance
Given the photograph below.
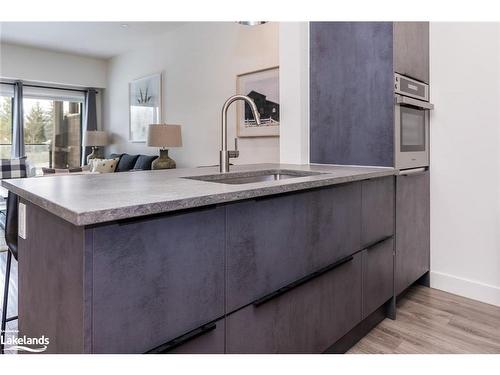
(238, 178)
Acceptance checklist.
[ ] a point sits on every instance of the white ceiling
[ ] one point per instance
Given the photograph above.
(94, 39)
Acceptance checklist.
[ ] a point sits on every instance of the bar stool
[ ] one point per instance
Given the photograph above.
(10, 168)
(11, 240)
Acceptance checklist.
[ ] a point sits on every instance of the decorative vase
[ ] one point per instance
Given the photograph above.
(163, 161)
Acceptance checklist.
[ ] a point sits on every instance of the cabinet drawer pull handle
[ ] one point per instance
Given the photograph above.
(300, 281)
(376, 243)
(170, 345)
(150, 217)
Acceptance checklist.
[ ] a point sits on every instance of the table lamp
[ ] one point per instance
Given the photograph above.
(163, 136)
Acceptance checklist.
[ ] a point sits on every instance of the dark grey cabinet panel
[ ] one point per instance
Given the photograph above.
(377, 210)
(412, 229)
(378, 275)
(165, 275)
(352, 67)
(411, 49)
(351, 93)
(307, 319)
(275, 241)
(51, 288)
(211, 342)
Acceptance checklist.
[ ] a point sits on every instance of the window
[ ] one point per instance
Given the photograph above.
(5, 126)
(52, 132)
(52, 125)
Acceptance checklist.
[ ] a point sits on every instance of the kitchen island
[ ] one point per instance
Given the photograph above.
(180, 261)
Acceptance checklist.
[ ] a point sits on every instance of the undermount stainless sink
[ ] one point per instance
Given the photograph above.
(238, 178)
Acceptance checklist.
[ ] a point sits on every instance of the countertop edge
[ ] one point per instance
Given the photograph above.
(135, 211)
(50, 206)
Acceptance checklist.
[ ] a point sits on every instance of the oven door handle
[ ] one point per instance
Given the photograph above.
(412, 172)
(413, 102)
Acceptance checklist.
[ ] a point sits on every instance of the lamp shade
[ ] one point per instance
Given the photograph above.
(164, 135)
(96, 138)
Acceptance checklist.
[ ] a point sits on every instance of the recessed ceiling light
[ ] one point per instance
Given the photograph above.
(124, 25)
(251, 23)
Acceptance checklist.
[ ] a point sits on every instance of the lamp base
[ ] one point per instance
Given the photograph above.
(93, 155)
(163, 161)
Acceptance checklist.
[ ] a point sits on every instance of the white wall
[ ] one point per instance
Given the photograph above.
(199, 62)
(465, 159)
(33, 64)
(294, 92)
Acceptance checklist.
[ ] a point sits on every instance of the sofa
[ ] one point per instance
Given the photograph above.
(127, 162)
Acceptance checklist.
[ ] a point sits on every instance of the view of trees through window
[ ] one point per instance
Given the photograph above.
(38, 121)
(52, 132)
(5, 126)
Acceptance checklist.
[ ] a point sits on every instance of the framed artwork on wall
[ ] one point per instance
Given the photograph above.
(145, 98)
(263, 87)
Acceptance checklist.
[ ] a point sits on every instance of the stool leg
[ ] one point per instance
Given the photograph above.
(5, 300)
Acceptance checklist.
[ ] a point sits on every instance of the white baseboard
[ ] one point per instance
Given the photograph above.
(467, 288)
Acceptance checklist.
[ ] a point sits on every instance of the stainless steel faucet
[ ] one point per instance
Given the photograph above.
(224, 154)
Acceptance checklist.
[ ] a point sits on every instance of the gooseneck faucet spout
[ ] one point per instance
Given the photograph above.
(224, 154)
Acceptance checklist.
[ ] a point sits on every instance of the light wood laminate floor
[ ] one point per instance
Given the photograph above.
(432, 321)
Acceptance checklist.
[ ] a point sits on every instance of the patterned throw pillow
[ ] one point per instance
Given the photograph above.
(12, 168)
(103, 165)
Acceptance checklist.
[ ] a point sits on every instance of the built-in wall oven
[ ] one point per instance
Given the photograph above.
(411, 123)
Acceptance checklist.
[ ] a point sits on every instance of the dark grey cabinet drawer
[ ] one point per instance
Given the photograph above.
(377, 210)
(164, 275)
(272, 242)
(412, 229)
(306, 319)
(378, 275)
(208, 341)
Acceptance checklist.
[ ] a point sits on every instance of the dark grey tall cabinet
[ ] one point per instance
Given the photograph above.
(411, 49)
(352, 66)
(351, 93)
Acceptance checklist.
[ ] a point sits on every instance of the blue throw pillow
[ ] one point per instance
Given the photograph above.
(144, 162)
(126, 163)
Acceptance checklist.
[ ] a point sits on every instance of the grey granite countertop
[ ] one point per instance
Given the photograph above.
(98, 198)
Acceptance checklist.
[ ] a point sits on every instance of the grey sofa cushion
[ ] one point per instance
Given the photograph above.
(60, 170)
(144, 162)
